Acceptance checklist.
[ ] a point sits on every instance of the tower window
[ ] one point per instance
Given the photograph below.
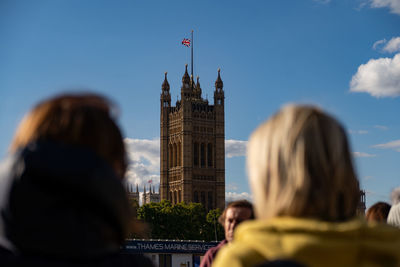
(210, 200)
(203, 155)
(174, 156)
(196, 154)
(196, 196)
(203, 198)
(170, 156)
(209, 155)
(179, 163)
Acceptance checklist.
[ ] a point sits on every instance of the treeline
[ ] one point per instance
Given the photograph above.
(183, 221)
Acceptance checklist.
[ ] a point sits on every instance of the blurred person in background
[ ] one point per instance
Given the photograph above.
(394, 213)
(305, 198)
(235, 213)
(378, 212)
(62, 199)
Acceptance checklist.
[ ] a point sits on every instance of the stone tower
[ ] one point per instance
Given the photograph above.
(192, 145)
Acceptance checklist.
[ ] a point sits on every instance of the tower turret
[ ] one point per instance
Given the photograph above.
(165, 95)
(219, 92)
(186, 88)
(197, 89)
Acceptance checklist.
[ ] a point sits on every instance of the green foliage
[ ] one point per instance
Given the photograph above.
(214, 231)
(183, 221)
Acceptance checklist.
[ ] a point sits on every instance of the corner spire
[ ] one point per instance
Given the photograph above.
(186, 78)
(165, 84)
(218, 83)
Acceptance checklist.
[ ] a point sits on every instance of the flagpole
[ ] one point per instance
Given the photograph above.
(192, 53)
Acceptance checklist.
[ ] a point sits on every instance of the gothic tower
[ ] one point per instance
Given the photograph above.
(192, 145)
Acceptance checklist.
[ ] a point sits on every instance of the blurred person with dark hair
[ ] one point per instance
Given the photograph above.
(378, 212)
(305, 198)
(62, 198)
(235, 213)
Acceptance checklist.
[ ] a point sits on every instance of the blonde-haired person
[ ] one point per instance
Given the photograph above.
(62, 198)
(305, 198)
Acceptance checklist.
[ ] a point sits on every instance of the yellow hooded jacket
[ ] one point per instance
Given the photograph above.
(312, 243)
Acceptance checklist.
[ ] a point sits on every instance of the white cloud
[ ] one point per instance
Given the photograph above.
(232, 186)
(381, 127)
(368, 178)
(378, 77)
(378, 44)
(363, 155)
(390, 47)
(232, 196)
(393, 45)
(393, 5)
(144, 162)
(235, 148)
(395, 145)
(358, 131)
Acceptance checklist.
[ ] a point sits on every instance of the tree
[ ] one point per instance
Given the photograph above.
(183, 221)
(214, 231)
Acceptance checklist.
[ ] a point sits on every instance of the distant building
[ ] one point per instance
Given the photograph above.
(132, 195)
(361, 205)
(192, 145)
(150, 196)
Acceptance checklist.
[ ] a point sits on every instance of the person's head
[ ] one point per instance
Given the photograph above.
(67, 169)
(394, 216)
(235, 213)
(75, 119)
(395, 196)
(299, 165)
(378, 212)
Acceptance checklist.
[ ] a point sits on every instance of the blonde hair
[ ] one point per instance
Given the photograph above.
(75, 119)
(299, 165)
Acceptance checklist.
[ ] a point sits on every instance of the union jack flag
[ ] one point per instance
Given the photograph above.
(150, 181)
(186, 42)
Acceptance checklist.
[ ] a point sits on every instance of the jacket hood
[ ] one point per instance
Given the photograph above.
(64, 202)
(313, 243)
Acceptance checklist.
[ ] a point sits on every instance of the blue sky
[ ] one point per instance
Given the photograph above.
(340, 55)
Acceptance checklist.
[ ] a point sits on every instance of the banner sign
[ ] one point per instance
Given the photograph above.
(170, 246)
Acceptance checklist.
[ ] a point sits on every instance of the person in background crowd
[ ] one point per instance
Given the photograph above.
(235, 213)
(305, 199)
(62, 198)
(394, 213)
(378, 212)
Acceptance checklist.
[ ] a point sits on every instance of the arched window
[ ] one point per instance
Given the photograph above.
(209, 155)
(179, 163)
(196, 154)
(196, 197)
(175, 197)
(202, 155)
(210, 200)
(203, 198)
(179, 196)
(174, 155)
(170, 155)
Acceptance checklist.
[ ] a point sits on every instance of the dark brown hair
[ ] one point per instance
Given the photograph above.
(378, 212)
(236, 204)
(76, 119)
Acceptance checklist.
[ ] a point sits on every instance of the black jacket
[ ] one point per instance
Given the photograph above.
(65, 207)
